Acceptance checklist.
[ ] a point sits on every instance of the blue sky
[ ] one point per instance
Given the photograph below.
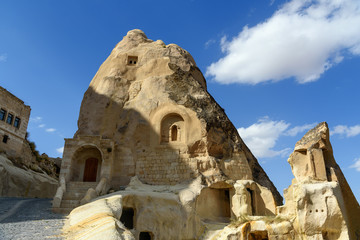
(276, 67)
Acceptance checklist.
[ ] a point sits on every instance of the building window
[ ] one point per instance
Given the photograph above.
(9, 118)
(2, 114)
(17, 122)
(5, 138)
(132, 60)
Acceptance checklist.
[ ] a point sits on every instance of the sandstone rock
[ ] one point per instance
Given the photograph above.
(314, 209)
(164, 211)
(320, 200)
(142, 89)
(147, 114)
(17, 182)
(149, 128)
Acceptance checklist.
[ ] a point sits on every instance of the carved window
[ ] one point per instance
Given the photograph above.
(17, 122)
(2, 114)
(5, 138)
(10, 118)
(132, 60)
(252, 201)
(172, 128)
(174, 133)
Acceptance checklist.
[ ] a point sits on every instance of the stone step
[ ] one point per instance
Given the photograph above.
(78, 188)
(81, 185)
(69, 205)
(70, 201)
(73, 195)
(82, 190)
(62, 210)
(75, 191)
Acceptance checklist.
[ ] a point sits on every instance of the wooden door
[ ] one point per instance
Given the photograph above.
(90, 171)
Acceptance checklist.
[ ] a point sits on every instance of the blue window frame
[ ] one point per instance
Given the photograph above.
(2, 114)
(9, 118)
(17, 122)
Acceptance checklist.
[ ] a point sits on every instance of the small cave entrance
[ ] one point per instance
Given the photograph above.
(252, 202)
(145, 236)
(127, 217)
(218, 200)
(258, 235)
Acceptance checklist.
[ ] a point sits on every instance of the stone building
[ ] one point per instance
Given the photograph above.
(14, 118)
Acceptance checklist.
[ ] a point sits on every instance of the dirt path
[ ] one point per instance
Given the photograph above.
(29, 218)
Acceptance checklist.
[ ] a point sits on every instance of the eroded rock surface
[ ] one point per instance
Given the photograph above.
(148, 125)
(320, 200)
(19, 182)
(147, 113)
(314, 209)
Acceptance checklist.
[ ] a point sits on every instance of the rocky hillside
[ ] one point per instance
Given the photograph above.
(31, 175)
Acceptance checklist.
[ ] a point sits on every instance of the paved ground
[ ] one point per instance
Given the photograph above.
(29, 218)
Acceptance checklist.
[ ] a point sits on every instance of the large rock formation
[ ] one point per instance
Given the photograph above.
(147, 113)
(149, 128)
(24, 182)
(319, 205)
(320, 201)
(140, 84)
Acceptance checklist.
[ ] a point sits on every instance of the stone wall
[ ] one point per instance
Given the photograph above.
(165, 166)
(12, 133)
(75, 154)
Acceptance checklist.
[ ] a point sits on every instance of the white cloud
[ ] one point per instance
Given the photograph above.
(3, 57)
(50, 130)
(36, 119)
(209, 43)
(303, 39)
(41, 125)
(356, 165)
(299, 129)
(262, 136)
(60, 150)
(346, 131)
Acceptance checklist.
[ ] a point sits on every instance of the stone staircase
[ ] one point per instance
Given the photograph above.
(75, 191)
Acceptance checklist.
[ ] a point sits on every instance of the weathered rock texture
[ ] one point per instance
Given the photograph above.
(148, 125)
(23, 182)
(320, 201)
(315, 208)
(147, 113)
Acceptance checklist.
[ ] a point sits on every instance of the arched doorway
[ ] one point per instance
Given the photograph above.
(86, 164)
(216, 199)
(172, 128)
